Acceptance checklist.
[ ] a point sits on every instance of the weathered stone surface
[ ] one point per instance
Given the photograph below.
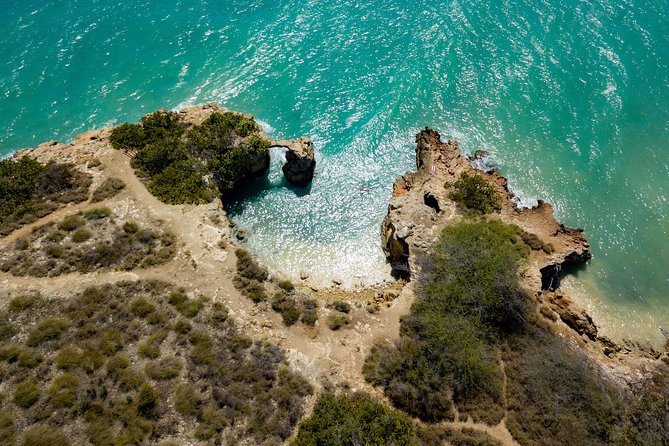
(571, 314)
(300, 161)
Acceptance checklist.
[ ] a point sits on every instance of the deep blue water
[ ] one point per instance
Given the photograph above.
(570, 97)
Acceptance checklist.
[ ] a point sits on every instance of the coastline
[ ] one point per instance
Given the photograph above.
(420, 225)
(419, 209)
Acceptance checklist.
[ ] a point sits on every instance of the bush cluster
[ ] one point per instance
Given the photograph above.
(474, 193)
(115, 368)
(195, 165)
(30, 190)
(468, 294)
(250, 278)
(86, 242)
(294, 308)
(355, 419)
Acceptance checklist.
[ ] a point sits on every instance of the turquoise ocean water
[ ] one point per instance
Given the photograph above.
(570, 97)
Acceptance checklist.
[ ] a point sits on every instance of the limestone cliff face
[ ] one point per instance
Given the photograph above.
(420, 208)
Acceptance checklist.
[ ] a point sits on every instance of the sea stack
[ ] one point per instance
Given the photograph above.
(300, 162)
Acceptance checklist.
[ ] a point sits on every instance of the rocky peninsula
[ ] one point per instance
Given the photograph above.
(187, 339)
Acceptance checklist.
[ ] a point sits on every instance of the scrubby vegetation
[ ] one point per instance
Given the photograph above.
(136, 363)
(470, 317)
(359, 419)
(108, 189)
(192, 165)
(89, 241)
(557, 396)
(355, 419)
(468, 294)
(30, 190)
(250, 277)
(474, 193)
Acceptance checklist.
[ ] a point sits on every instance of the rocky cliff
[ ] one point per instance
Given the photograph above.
(420, 207)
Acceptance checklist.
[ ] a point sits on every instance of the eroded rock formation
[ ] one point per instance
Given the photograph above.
(300, 162)
(420, 208)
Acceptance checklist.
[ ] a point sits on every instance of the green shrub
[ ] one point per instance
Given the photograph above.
(556, 394)
(212, 422)
(7, 428)
(182, 326)
(160, 125)
(141, 307)
(43, 435)
(287, 307)
(309, 312)
(155, 158)
(187, 400)
(286, 285)
(21, 244)
(68, 357)
(337, 321)
(24, 302)
(248, 268)
(63, 390)
(467, 294)
(355, 419)
(127, 136)
(165, 368)
(7, 330)
(474, 271)
(56, 236)
(108, 189)
(49, 329)
(97, 213)
(81, 235)
(26, 393)
(219, 315)
(55, 251)
(475, 193)
(130, 227)
(340, 306)
(111, 341)
(146, 400)
(188, 307)
(182, 182)
(30, 190)
(71, 223)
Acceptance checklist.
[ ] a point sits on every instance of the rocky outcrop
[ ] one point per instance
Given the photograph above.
(570, 313)
(420, 207)
(300, 162)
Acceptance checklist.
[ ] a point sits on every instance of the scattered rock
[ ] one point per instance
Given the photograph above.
(304, 275)
(337, 281)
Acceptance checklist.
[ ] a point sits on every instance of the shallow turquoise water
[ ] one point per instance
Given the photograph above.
(570, 97)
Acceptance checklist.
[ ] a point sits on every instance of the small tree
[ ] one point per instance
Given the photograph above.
(475, 193)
